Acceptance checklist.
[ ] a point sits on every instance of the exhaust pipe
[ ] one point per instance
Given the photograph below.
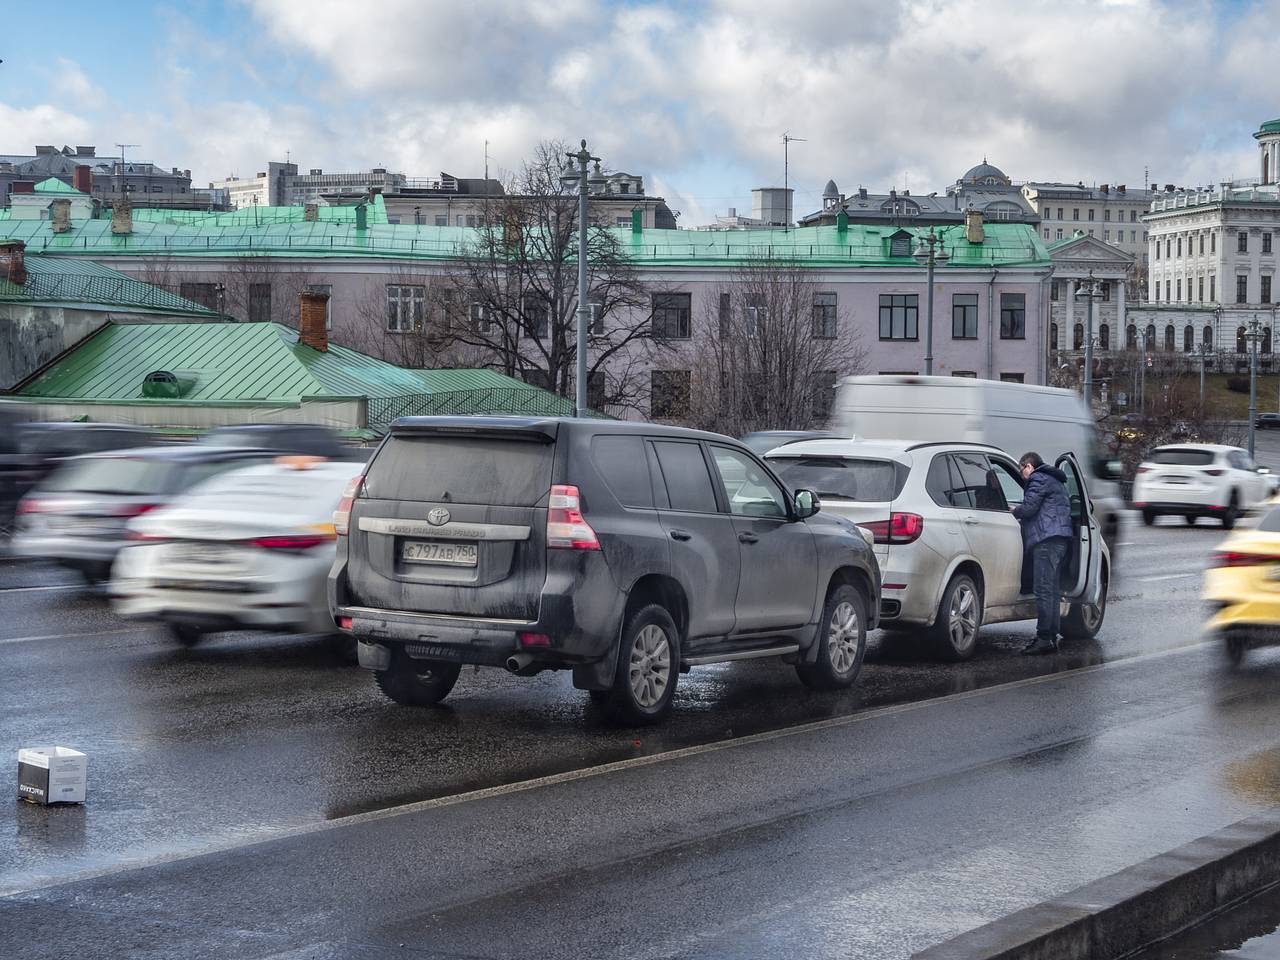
(519, 662)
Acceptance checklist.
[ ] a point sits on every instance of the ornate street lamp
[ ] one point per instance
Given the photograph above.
(582, 157)
(929, 253)
(1090, 289)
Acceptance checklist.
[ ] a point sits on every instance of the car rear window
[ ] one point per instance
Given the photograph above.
(843, 478)
(488, 470)
(125, 476)
(1182, 457)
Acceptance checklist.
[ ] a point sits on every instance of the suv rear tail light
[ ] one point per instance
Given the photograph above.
(342, 515)
(566, 527)
(899, 528)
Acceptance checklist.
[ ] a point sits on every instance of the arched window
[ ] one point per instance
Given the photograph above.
(1266, 340)
(1188, 338)
(1104, 337)
(1053, 336)
(1169, 338)
(1131, 337)
(1077, 337)
(1149, 337)
(1241, 346)
(1206, 337)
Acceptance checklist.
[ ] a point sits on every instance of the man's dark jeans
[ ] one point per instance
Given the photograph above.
(1047, 559)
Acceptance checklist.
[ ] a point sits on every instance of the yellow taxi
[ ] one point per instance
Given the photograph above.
(1243, 586)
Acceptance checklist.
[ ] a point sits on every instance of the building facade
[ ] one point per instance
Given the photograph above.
(282, 185)
(107, 178)
(1076, 262)
(1111, 213)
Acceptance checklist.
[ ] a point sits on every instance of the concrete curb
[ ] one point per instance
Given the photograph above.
(1129, 910)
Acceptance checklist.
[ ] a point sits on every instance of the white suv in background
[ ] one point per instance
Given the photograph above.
(1199, 480)
(950, 552)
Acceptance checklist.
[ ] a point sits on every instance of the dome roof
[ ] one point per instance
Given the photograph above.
(831, 190)
(982, 171)
(1271, 126)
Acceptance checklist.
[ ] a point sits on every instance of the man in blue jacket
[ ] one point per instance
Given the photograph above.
(1045, 515)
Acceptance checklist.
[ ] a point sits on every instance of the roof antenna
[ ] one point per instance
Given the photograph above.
(787, 140)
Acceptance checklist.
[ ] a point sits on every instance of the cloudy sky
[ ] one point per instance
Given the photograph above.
(693, 95)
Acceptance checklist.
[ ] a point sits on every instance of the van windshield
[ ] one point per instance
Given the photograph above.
(450, 469)
(843, 478)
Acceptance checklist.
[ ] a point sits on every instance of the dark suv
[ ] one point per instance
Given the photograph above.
(624, 552)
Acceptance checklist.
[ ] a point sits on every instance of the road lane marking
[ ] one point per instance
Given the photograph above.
(1167, 576)
(60, 586)
(69, 636)
(269, 835)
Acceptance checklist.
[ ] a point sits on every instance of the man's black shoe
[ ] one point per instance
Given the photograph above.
(1040, 646)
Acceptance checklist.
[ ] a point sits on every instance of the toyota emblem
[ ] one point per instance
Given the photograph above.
(438, 517)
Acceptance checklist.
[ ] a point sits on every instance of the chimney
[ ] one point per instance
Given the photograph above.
(83, 180)
(1168, 188)
(311, 212)
(1120, 189)
(23, 186)
(1105, 188)
(61, 215)
(312, 309)
(122, 217)
(973, 231)
(13, 265)
(862, 193)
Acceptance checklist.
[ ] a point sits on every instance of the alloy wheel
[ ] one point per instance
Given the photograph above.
(962, 618)
(842, 637)
(650, 665)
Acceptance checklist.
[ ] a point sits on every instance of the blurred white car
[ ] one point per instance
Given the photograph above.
(246, 550)
(1199, 480)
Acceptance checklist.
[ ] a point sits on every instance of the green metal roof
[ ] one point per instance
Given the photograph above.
(71, 280)
(278, 231)
(54, 185)
(261, 363)
(1271, 126)
(258, 216)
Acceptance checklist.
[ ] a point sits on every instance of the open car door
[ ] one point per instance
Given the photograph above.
(1082, 571)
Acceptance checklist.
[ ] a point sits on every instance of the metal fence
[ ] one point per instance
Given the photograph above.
(494, 400)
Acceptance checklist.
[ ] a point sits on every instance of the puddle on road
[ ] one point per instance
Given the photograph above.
(1246, 932)
(1256, 777)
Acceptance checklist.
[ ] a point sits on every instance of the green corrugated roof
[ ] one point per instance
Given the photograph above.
(258, 216)
(1006, 244)
(68, 280)
(230, 362)
(54, 185)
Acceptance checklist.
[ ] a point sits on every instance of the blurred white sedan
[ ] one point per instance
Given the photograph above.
(246, 550)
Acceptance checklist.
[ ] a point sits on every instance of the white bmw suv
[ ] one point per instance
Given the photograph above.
(1199, 480)
(950, 552)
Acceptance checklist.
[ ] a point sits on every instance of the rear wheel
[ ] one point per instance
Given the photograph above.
(955, 631)
(185, 634)
(1233, 646)
(842, 641)
(1191, 519)
(1148, 518)
(648, 665)
(1084, 620)
(417, 683)
(1232, 512)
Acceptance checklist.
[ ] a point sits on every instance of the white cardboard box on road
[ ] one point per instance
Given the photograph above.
(52, 775)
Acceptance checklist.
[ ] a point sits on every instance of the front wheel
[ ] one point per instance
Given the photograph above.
(1233, 646)
(644, 683)
(1084, 620)
(1232, 512)
(185, 634)
(842, 641)
(417, 683)
(955, 631)
(1148, 518)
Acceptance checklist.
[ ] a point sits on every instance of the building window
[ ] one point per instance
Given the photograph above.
(1242, 242)
(1106, 292)
(1104, 336)
(726, 316)
(1133, 236)
(1091, 231)
(1266, 340)
(1242, 289)
(405, 304)
(205, 294)
(1168, 247)
(327, 290)
(1053, 336)
(671, 315)
(1012, 377)
(1053, 290)
(1157, 249)
(1075, 213)
(622, 221)
(1188, 338)
(537, 315)
(259, 302)
(1131, 337)
(1059, 237)
(1202, 244)
(596, 305)
(1240, 341)
(669, 392)
(1265, 296)
(1213, 243)
(1178, 290)
(1206, 337)
(442, 219)
(825, 323)
(1013, 316)
(1169, 337)
(1213, 283)
(1060, 216)
(1077, 337)
(481, 321)
(1200, 289)
(1266, 243)
(1046, 233)
(1149, 337)
(899, 316)
(900, 246)
(1091, 214)
(1106, 234)
(1106, 214)
(1168, 291)
(751, 322)
(1133, 216)
(964, 316)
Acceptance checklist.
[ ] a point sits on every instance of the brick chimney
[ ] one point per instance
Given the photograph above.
(13, 264)
(83, 178)
(973, 231)
(312, 308)
(60, 213)
(121, 217)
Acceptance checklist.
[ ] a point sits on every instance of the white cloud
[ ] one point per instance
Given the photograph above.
(42, 123)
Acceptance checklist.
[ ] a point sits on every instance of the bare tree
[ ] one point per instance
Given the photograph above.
(518, 286)
(772, 347)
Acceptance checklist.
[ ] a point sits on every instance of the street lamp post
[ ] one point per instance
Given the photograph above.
(583, 157)
(1252, 337)
(928, 254)
(1203, 353)
(1090, 290)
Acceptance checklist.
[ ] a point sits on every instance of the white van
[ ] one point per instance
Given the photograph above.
(1015, 417)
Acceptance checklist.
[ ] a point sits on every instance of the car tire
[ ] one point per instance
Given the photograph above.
(1148, 518)
(1230, 515)
(955, 630)
(1191, 519)
(417, 683)
(1234, 645)
(185, 634)
(343, 646)
(841, 641)
(644, 681)
(1084, 620)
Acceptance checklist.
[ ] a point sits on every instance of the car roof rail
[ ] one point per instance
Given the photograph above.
(954, 443)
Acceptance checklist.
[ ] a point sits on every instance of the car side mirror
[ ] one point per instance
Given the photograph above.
(806, 504)
(1113, 470)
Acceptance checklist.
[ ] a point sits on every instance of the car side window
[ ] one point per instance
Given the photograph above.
(687, 480)
(1074, 494)
(980, 484)
(621, 462)
(750, 491)
(938, 483)
(1007, 477)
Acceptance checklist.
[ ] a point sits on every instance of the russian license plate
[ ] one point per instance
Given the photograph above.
(199, 553)
(447, 553)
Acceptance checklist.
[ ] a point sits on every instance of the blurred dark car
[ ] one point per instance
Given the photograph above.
(77, 515)
(29, 452)
(762, 441)
(1267, 421)
(308, 439)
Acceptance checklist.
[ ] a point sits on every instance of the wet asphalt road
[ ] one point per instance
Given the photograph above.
(914, 817)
